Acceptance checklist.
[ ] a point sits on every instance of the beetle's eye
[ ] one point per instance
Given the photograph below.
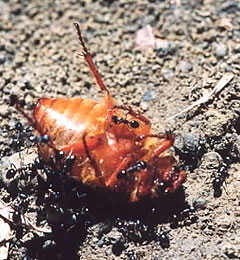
(134, 124)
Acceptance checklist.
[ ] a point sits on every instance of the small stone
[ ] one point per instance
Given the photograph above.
(223, 222)
(148, 95)
(108, 252)
(221, 50)
(184, 66)
(164, 47)
(2, 59)
(213, 160)
(168, 74)
(200, 203)
(144, 105)
(132, 28)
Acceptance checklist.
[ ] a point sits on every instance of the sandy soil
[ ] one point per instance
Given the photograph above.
(39, 58)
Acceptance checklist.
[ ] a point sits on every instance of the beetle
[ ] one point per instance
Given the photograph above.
(113, 145)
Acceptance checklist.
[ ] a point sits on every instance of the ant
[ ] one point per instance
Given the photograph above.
(138, 166)
(20, 208)
(183, 216)
(164, 239)
(219, 179)
(133, 123)
(21, 137)
(26, 172)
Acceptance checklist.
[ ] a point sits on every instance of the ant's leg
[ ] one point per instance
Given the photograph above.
(133, 113)
(93, 161)
(144, 185)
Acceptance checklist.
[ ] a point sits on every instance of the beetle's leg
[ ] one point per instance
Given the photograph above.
(181, 177)
(112, 180)
(144, 185)
(167, 142)
(169, 175)
(87, 55)
(134, 114)
(79, 148)
(93, 161)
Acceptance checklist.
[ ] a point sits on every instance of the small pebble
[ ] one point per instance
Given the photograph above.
(164, 47)
(184, 66)
(168, 74)
(221, 50)
(2, 59)
(200, 203)
(108, 252)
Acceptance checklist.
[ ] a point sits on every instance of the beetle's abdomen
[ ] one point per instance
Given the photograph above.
(65, 120)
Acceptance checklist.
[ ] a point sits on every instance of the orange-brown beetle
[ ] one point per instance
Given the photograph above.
(113, 145)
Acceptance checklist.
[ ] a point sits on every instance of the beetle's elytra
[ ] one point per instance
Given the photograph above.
(113, 145)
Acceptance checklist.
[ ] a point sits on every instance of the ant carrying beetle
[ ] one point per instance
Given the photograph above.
(107, 141)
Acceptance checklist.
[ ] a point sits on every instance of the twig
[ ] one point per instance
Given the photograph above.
(220, 85)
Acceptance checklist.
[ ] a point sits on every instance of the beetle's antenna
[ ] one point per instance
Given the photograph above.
(86, 54)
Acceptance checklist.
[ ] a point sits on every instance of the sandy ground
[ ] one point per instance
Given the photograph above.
(198, 43)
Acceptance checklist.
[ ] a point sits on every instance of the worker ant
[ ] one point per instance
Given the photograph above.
(123, 174)
(132, 123)
(220, 178)
(185, 217)
(20, 207)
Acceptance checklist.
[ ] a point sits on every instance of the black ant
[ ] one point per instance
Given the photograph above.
(164, 239)
(219, 179)
(21, 137)
(133, 123)
(20, 209)
(11, 172)
(26, 172)
(184, 215)
(138, 166)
